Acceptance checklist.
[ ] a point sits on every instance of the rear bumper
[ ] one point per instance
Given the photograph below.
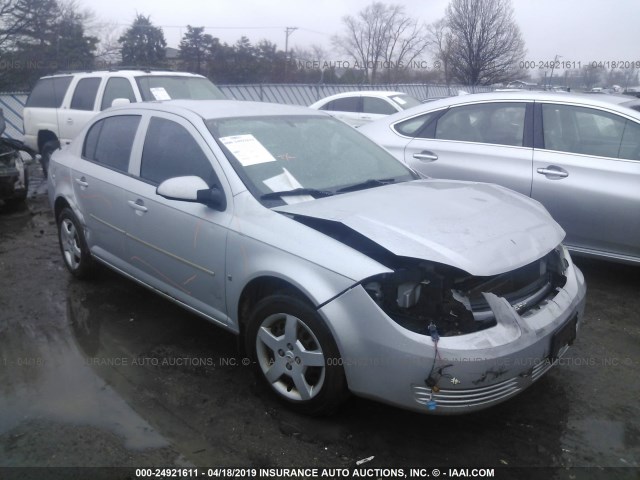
(388, 363)
(31, 141)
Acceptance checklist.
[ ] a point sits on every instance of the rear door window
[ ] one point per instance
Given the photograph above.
(494, 123)
(348, 104)
(109, 141)
(377, 106)
(416, 126)
(49, 92)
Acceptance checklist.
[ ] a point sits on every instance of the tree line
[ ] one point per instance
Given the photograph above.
(477, 42)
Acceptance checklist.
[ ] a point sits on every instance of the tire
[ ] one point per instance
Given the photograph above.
(290, 345)
(45, 155)
(73, 245)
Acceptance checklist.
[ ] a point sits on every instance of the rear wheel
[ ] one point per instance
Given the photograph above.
(296, 355)
(73, 245)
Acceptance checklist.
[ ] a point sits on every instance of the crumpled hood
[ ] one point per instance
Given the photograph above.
(480, 228)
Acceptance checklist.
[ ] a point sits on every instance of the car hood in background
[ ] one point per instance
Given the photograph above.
(480, 228)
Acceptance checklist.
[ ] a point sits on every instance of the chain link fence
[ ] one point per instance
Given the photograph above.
(12, 103)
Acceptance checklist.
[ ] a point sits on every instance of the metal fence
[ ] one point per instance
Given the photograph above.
(292, 94)
(12, 105)
(306, 94)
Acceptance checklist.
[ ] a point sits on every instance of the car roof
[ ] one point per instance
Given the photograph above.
(616, 99)
(596, 100)
(123, 72)
(212, 109)
(372, 93)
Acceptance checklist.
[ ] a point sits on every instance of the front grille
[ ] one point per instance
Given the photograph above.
(524, 288)
(544, 366)
(473, 397)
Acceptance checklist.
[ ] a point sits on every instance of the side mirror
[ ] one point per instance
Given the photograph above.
(117, 102)
(193, 189)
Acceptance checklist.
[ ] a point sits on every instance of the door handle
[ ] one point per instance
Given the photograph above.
(553, 171)
(425, 156)
(82, 181)
(137, 205)
(69, 121)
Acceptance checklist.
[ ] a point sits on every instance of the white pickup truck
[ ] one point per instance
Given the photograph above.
(60, 105)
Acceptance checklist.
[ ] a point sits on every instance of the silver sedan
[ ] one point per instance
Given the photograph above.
(340, 269)
(579, 155)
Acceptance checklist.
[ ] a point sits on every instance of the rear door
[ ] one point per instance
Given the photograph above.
(484, 142)
(97, 181)
(82, 108)
(374, 108)
(347, 109)
(41, 110)
(587, 174)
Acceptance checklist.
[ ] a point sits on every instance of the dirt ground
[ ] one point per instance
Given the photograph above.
(106, 373)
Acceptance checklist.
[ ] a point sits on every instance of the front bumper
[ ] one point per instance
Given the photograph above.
(386, 362)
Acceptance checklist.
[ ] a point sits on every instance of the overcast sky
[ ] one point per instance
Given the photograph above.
(576, 30)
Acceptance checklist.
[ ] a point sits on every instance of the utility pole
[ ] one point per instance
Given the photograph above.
(288, 31)
(555, 60)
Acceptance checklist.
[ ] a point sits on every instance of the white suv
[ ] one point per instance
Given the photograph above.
(60, 105)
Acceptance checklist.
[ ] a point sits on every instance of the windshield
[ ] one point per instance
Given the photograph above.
(316, 156)
(405, 101)
(166, 87)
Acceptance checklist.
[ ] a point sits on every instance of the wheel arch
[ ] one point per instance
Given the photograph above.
(45, 136)
(60, 204)
(262, 287)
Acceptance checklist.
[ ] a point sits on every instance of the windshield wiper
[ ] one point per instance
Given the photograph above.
(372, 182)
(296, 191)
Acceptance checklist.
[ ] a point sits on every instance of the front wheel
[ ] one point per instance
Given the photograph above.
(296, 355)
(73, 245)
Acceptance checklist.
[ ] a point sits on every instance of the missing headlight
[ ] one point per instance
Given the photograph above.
(420, 293)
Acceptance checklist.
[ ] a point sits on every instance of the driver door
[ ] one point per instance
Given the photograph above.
(176, 246)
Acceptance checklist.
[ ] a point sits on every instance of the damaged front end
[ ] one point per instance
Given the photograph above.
(470, 308)
(13, 184)
(435, 339)
(419, 295)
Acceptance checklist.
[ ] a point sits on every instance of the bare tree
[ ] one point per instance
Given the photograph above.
(13, 18)
(486, 44)
(590, 76)
(381, 37)
(109, 50)
(440, 42)
(622, 77)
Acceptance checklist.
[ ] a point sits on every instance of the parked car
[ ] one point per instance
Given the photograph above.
(358, 108)
(60, 105)
(340, 269)
(579, 155)
(616, 99)
(14, 175)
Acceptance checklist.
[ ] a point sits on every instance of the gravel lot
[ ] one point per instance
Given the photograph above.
(105, 373)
